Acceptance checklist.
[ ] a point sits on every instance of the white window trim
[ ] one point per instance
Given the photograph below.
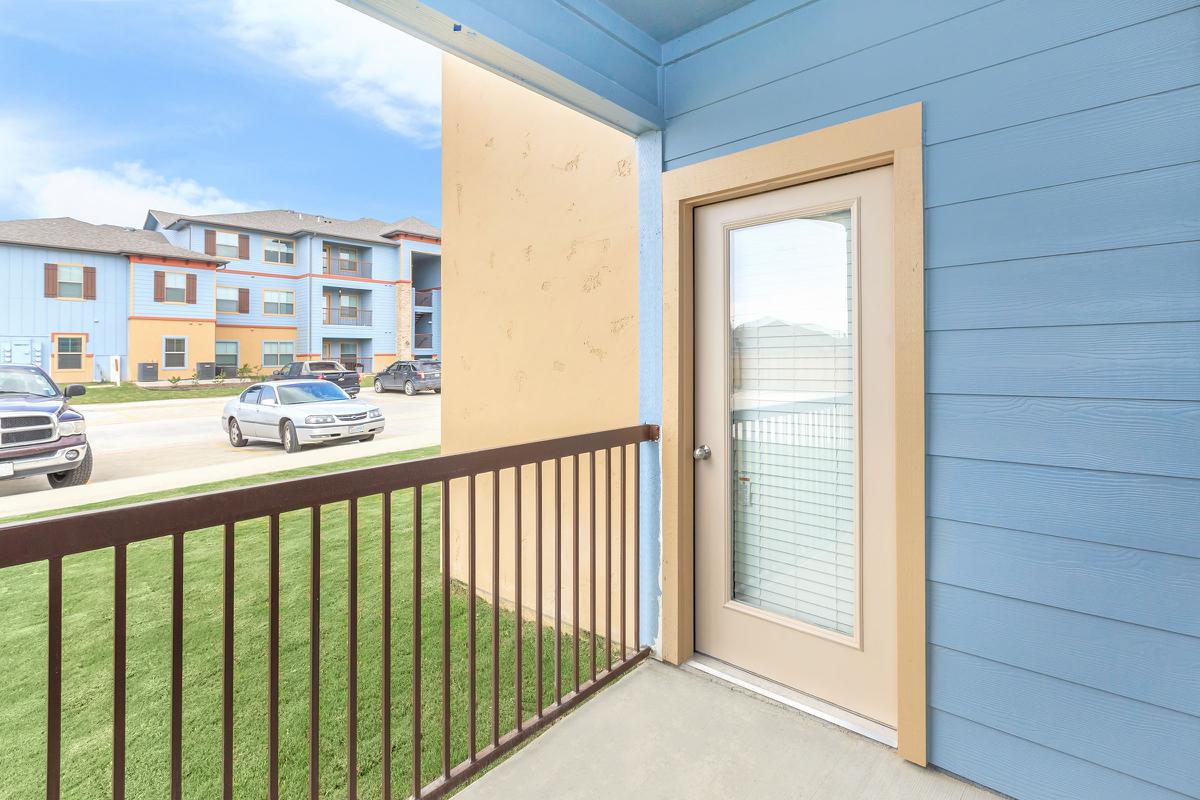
(186, 347)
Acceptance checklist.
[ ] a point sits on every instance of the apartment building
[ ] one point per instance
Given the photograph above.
(93, 302)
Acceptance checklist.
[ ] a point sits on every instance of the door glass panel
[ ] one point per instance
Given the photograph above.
(793, 451)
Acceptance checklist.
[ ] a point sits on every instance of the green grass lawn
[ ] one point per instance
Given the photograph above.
(87, 660)
(131, 393)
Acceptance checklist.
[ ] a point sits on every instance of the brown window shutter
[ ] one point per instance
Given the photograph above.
(89, 283)
(160, 287)
(51, 284)
(210, 242)
(243, 301)
(243, 246)
(190, 293)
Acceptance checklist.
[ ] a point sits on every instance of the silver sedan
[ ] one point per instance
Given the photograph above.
(297, 413)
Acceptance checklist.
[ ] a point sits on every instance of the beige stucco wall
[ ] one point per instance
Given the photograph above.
(539, 268)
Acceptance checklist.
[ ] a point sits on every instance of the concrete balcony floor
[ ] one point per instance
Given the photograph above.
(665, 732)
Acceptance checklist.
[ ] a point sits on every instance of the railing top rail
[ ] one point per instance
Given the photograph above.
(38, 540)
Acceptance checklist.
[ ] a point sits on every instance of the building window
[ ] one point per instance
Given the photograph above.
(279, 251)
(175, 287)
(70, 352)
(227, 357)
(70, 281)
(227, 244)
(278, 303)
(227, 299)
(175, 352)
(277, 354)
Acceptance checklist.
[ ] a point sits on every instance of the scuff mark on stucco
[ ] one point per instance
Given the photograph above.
(490, 142)
(528, 251)
(598, 352)
(624, 168)
(546, 285)
(571, 165)
(508, 329)
(458, 190)
(519, 379)
(592, 282)
(619, 324)
(560, 366)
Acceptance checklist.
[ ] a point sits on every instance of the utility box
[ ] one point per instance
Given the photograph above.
(206, 370)
(147, 371)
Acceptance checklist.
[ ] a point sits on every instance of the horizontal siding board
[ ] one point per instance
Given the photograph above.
(1026, 770)
(1141, 284)
(1144, 208)
(1125, 137)
(1137, 586)
(1140, 663)
(724, 69)
(1148, 742)
(968, 45)
(1140, 361)
(1144, 436)
(1137, 511)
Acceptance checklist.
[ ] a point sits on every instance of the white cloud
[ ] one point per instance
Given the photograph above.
(42, 177)
(362, 64)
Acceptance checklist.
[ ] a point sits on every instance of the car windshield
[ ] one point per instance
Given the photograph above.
(315, 392)
(26, 381)
(325, 366)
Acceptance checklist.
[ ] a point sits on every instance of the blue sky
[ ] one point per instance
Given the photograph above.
(108, 107)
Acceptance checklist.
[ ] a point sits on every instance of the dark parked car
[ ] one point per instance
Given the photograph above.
(331, 371)
(411, 376)
(40, 434)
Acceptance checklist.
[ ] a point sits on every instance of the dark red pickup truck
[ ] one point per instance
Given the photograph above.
(330, 371)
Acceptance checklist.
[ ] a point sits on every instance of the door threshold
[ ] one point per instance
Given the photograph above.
(792, 698)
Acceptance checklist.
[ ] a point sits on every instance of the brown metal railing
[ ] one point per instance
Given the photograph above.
(352, 267)
(345, 315)
(51, 540)
(423, 298)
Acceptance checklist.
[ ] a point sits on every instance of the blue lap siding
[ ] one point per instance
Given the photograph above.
(1062, 198)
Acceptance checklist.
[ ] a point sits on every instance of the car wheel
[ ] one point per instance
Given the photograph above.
(235, 434)
(409, 389)
(73, 477)
(367, 438)
(291, 442)
(378, 386)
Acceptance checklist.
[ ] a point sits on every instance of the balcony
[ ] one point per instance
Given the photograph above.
(411, 619)
(422, 341)
(346, 267)
(346, 315)
(423, 298)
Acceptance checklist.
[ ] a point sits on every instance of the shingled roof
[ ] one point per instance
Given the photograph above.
(292, 223)
(66, 233)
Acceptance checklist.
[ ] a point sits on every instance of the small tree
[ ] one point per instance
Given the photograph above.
(174, 381)
(245, 372)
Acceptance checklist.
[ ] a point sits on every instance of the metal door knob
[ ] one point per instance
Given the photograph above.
(702, 452)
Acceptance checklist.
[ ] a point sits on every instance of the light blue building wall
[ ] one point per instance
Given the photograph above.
(144, 305)
(1063, 355)
(28, 319)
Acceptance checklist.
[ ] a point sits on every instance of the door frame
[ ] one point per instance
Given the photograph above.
(891, 137)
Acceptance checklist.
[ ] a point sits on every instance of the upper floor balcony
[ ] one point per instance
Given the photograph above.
(424, 298)
(346, 315)
(351, 266)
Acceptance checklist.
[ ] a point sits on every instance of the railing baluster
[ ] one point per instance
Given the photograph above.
(177, 667)
(575, 567)
(517, 594)
(54, 680)
(314, 658)
(592, 562)
(495, 607)
(622, 505)
(637, 545)
(445, 629)
(352, 650)
(273, 660)
(471, 628)
(608, 559)
(537, 581)
(416, 644)
(227, 671)
(120, 593)
(558, 580)
(385, 689)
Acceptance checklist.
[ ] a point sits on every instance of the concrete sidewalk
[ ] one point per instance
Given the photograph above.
(665, 732)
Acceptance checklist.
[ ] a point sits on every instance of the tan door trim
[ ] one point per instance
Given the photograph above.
(891, 137)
